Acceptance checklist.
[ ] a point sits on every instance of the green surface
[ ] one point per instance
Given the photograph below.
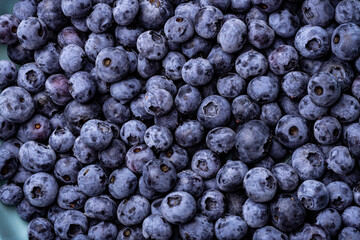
(11, 225)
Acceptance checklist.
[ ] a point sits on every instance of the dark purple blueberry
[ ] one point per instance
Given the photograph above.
(133, 210)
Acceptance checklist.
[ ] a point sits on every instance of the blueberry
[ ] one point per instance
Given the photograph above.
(161, 82)
(122, 183)
(260, 184)
(351, 138)
(197, 72)
(244, 109)
(179, 29)
(11, 194)
(208, 22)
(158, 102)
(83, 153)
(19, 55)
(173, 63)
(263, 89)
(312, 42)
(70, 223)
(196, 47)
(8, 73)
(159, 175)
(191, 182)
(107, 62)
(309, 110)
(51, 13)
(356, 194)
(287, 213)
(127, 35)
(347, 11)
(252, 141)
(340, 195)
(294, 84)
(350, 217)
(115, 112)
(330, 219)
(102, 231)
(230, 228)
(61, 140)
(7, 129)
(102, 207)
(138, 156)
(147, 68)
(313, 195)
(188, 99)
(71, 35)
(76, 9)
(220, 139)
(222, 62)
(289, 106)
(255, 13)
(40, 228)
(269, 233)
(177, 155)
(347, 49)
(158, 138)
(72, 58)
(309, 162)
(205, 163)
(286, 176)
(114, 155)
(188, 10)
(349, 233)
(327, 130)
(260, 35)
(17, 104)
(71, 197)
(346, 109)
(24, 9)
(32, 33)
(284, 23)
(20, 176)
(37, 157)
(251, 64)
(66, 170)
(100, 19)
(169, 120)
(270, 113)
(57, 86)
(124, 11)
(96, 134)
(214, 111)
(155, 226)
(133, 210)
(232, 35)
(309, 231)
(40, 189)
(341, 70)
(92, 180)
(200, 228)
(230, 85)
(283, 59)
(292, 131)
(153, 15)
(318, 14)
(230, 176)
(130, 233)
(27, 212)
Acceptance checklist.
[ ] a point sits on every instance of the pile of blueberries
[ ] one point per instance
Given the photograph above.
(177, 119)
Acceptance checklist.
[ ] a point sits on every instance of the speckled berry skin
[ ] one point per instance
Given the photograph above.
(112, 64)
(200, 227)
(37, 157)
(252, 147)
(345, 41)
(8, 30)
(152, 45)
(312, 42)
(292, 131)
(309, 162)
(40, 189)
(260, 184)
(207, 22)
(214, 111)
(70, 223)
(323, 89)
(153, 15)
(260, 35)
(284, 23)
(232, 35)
(32, 33)
(283, 59)
(263, 89)
(287, 178)
(313, 195)
(72, 58)
(133, 210)
(40, 228)
(92, 180)
(197, 72)
(159, 175)
(251, 64)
